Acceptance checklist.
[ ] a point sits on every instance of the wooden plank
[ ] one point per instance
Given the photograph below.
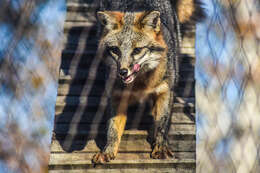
(185, 118)
(190, 130)
(74, 86)
(90, 53)
(188, 41)
(67, 78)
(69, 25)
(123, 160)
(187, 50)
(80, 2)
(129, 170)
(89, 21)
(84, 103)
(89, 44)
(187, 68)
(90, 131)
(189, 28)
(79, 79)
(126, 146)
(98, 90)
(74, 41)
(81, 7)
(81, 16)
(89, 117)
(94, 101)
(100, 76)
(73, 30)
(86, 58)
(82, 60)
(59, 108)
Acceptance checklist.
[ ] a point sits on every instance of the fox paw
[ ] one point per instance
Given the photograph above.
(102, 157)
(161, 152)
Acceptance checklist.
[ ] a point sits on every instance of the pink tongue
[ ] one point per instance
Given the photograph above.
(136, 68)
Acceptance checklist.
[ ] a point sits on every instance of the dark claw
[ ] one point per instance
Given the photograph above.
(98, 158)
(101, 158)
(161, 152)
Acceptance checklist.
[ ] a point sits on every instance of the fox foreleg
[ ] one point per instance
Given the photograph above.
(161, 114)
(116, 125)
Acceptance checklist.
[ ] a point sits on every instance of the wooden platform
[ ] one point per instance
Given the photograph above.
(79, 130)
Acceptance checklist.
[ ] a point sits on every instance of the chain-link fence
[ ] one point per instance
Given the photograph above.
(30, 34)
(227, 88)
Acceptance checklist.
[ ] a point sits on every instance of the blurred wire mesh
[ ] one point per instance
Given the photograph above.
(227, 88)
(31, 40)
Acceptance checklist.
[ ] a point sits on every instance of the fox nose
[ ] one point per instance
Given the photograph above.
(123, 72)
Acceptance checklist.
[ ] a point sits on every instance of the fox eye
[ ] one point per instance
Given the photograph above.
(136, 51)
(114, 50)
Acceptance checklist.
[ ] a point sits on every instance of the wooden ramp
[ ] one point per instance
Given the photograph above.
(80, 131)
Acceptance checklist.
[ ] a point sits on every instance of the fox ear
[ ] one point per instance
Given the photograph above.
(152, 21)
(109, 19)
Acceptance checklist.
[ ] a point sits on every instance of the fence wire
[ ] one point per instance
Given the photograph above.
(31, 37)
(227, 88)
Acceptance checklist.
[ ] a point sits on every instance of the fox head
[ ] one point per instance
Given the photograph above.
(134, 40)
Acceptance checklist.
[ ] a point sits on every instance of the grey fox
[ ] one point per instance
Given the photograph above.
(136, 43)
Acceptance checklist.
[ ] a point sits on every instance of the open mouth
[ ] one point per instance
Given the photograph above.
(130, 78)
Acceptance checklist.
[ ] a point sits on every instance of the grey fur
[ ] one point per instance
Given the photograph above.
(172, 36)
